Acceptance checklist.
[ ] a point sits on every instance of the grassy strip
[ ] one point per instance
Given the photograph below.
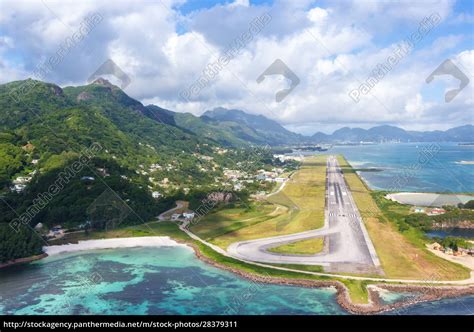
(306, 268)
(402, 254)
(303, 247)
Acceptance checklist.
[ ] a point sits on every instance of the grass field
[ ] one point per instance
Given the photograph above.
(301, 208)
(402, 255)
(304, 247)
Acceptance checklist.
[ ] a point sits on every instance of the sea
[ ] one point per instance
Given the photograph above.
(171, 280)
(167, 281)
(418, 167)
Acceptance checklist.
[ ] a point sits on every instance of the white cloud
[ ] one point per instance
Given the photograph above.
(330, 48)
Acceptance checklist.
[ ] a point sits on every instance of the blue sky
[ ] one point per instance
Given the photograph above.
(166, 46)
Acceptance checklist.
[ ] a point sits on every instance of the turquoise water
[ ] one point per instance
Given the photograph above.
(425, 167)
(165, 280)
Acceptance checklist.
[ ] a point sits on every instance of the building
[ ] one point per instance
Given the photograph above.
(435, 246)
(188, 215)
(155, 194)
(18, 188)
(56, 232)
(238, 186)
(436, 212)
(87, 178)
(260, 177)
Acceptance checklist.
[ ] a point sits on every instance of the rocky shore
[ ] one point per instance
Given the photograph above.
(375, 305)
(23, 260)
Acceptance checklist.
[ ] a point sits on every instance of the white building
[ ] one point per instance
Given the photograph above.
(188, 215)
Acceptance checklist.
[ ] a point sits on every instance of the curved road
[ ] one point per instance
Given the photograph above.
(350, 248)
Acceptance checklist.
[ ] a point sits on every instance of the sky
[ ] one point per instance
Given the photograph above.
(192, 56)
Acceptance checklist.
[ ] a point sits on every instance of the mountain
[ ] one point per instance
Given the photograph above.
(45, 130)
(256, 129)
(196, 126)
(46, 156)
(236, 128)
(391, 133)
(231, 128)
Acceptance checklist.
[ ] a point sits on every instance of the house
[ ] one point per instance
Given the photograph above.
(448, 251)
(22, 180)
(238, 186)
(435, 246)
(18, 188)
(35, 161)
(38, 226)
(436, 212)
(155, 194)
(87, 178)
(419, 210)
(103, 172)
(56, 232)
(188, 215)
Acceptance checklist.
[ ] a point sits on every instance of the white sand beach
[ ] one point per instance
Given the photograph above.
(127, 242)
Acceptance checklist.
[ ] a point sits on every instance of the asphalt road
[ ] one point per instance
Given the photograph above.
(348, 249)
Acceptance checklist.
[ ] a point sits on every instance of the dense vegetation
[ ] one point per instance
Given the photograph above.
(453, 243)
(45, 131)
(468, 205)
(14, 245)
(404, 218)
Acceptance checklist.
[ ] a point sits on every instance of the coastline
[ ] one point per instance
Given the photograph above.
(374, 306)
(23, 260)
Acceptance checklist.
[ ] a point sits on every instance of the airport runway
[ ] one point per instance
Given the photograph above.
(349, 247)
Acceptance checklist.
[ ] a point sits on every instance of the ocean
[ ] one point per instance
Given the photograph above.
(421, 167)
(165, 281)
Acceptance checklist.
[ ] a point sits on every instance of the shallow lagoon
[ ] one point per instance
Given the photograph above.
(165, 281)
